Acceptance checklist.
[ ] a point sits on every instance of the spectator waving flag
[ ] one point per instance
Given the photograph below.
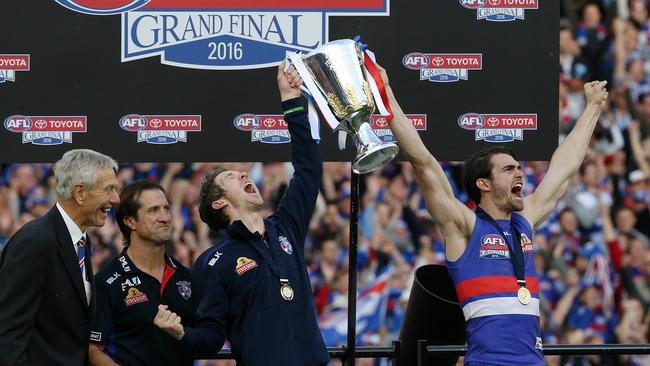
(371, 311)
(598, 271)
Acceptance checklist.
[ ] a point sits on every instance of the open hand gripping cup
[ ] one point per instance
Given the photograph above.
(345, 92)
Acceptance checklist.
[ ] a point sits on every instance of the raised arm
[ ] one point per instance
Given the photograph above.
(637, 148)
(455, 220)
(299, 199)
(567, 157)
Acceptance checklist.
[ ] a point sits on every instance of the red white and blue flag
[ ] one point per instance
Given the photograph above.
(371, 312)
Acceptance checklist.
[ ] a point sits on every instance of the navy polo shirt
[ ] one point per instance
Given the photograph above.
(127, 302)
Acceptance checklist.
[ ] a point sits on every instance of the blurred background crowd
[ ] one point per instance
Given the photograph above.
(592, 254)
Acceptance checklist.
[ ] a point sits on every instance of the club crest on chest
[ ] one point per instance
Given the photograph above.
(285, 245)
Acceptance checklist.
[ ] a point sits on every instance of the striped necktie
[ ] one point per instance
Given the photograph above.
(81, 256)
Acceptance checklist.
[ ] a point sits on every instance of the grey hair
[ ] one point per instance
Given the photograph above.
(79, 166)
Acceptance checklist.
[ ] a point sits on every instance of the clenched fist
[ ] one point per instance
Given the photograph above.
(596, 93)
(289, 82)
(169, 322)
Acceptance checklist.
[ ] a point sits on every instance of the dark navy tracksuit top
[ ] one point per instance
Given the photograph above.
(237, 282)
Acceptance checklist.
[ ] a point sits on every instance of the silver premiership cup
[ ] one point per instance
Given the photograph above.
(338, 70)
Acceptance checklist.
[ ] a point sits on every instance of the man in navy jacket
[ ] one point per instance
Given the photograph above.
(253, 288)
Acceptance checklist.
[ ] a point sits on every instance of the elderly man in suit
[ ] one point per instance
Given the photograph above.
(46, 280)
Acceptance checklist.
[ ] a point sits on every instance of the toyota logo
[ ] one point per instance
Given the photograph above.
(493, 121)
(40, 124)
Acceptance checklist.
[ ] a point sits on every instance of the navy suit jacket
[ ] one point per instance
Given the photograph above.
(44, 314)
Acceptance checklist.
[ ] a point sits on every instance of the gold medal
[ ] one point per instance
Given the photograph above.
(523, 295)
(287, 292)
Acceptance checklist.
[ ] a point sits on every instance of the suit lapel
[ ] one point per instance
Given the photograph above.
(67, 253)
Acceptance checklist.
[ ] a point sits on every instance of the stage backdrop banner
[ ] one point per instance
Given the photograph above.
(194, 80)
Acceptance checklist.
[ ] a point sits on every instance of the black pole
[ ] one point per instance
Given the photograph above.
(397, 356)
(352, 270)
(422, 353)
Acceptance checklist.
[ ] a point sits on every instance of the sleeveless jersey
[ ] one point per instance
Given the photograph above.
(500, 330)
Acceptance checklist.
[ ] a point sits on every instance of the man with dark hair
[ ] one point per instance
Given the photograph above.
(253, 289)
(480, 166)
(132, 286)
(489, 253)
(210, 192)
(46, 283)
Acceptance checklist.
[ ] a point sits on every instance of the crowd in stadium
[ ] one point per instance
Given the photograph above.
(593, 252)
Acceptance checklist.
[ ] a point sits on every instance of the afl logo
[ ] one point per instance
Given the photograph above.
(133, 122)
(247, 122)
(415, 61)
(102, 7)
(472, 4)
(18, 123)
(471, 121)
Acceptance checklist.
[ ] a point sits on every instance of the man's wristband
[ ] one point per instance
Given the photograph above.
(294, 110)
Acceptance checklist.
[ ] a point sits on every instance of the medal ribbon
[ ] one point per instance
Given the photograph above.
(515, 249)
(273, 255)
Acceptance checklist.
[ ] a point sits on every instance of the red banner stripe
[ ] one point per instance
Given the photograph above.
(266, 4)
(374, 72)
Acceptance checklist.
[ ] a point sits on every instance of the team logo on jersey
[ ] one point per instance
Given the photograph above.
(161, 129)
(244, 265)
(264, 128)
(500, 10)
(285, 245)
(526, 243)
(134, 296)
(225, 34)
(46, 130)
(382, 129)
(493, 246)
(131, 282)
(9, 64)
(498, 127)
(443, 67)
(184, 289)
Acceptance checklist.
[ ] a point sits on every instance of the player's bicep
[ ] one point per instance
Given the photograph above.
(538, 205)
(444, 208)
(446, 211)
